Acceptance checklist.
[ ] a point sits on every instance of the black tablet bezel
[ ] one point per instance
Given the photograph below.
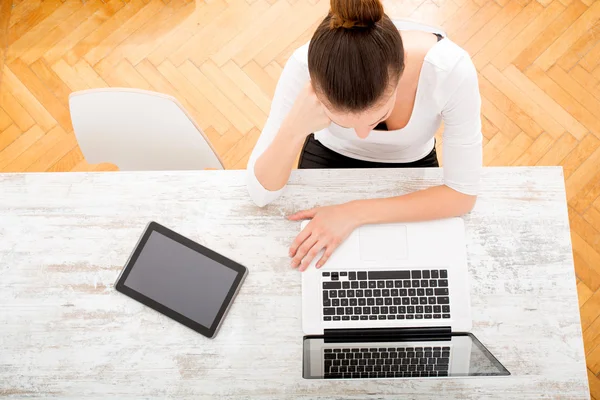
(209, 332)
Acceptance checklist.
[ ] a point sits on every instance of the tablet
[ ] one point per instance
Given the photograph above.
(181, 279)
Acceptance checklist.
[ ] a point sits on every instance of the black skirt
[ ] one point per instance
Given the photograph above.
(316, 156)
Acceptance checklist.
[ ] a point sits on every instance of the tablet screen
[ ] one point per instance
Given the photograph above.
(182, 279)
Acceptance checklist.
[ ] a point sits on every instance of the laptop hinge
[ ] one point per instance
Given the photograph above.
(437, 332)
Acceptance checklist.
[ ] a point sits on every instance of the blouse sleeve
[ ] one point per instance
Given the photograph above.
(462, 138)
(293, 79)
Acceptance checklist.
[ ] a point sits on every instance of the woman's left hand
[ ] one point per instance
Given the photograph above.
(329, 227)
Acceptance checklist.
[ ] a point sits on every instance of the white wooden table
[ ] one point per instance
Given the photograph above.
(66, 333)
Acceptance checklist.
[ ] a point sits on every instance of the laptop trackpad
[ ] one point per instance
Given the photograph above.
(383, 242)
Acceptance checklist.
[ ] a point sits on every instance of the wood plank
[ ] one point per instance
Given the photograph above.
(54, 36)
(491, 29)
(587, 232)
(15, 110)
(587, 195)
(516, 94)
(29, 102)
(513, 151)
(592, 215)
(586, 80)
(52, 81)
(41, 30)
(583, 292)
(200, 103)
(495, 146)
(36, 151)
(57, 110)
(5, 120)
(583, 173)
(86, 76)
(508, 33)
(68, 161)
(536, 151)
(549, 35)
(22, 24)
(543, 100)
(247, 86)
(460, 17)
(533, 29)
(561, 148)
(123, 31)
(587, 254)
(594, 382)
(18, 146)
(505, 114)
(55, 154)
(488, 128)
(569, 37)
(591, 336)
(261, 78)
(217, 98)
(8, 136)
(234, 93)
(580, 48)
(592, 58)
(69, 76)
(241, 148)
(479, 20)
(5, 12)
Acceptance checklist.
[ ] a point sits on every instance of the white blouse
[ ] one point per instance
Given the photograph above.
(447, 92)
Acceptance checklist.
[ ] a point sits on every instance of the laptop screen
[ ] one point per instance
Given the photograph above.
(450, 356)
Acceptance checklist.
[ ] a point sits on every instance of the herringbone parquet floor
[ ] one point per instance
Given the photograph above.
(539, 65)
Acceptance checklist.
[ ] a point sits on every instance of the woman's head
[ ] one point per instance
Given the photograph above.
(355, 60)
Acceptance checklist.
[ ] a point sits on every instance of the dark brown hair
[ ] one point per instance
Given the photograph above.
(355, 54)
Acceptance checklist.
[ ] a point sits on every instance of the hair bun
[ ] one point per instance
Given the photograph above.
(355, 13)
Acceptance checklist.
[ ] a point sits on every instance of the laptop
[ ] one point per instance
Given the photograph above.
(393, 302)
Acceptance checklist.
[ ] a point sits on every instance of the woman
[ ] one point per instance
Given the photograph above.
(374, 98)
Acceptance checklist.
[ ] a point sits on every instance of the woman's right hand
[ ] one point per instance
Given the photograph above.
(308, 113)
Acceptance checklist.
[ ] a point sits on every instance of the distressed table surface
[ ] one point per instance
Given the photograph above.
(66, 333)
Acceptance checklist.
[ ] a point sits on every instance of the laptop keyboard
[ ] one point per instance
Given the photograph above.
(386, 362)
(385, 295)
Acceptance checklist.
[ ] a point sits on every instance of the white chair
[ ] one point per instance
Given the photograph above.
(405, 24)
(139, 130)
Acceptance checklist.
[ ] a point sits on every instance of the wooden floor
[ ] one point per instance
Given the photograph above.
(539, 65)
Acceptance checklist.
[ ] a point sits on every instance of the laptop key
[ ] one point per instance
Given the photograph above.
(361, 275)
(349, 311)
(385, 292)
(388, 301)
(368, 293)
(357, 310)
(410, 309)
(329, 311)
(389, 274)
(424, 283)
(410, 316)
(432, 283)
(362, 302)
(397, 301)
(344, 302)
(332, 285)
(335, 277)
(364, 317)
(446, 309)
(391, 317)
(428, 292)
(443, 300)
(379, 301)
(363, 284)
(337, 318)
(339, 311)
(354, 284)
(382, 317)
(427, 316)
(422, 300)
(443, 273)
(435, 274)
(437, 309)
(419, 316)
(346, 285)
(354, 317)
(416, 283)
(420, 292)
(353, 302)
(419, 309)
(372, 317)
(335, 302)
(333, 293)
(326, 318)
(426, 275)
(443, 283)
(370, 301)
(343, 274)
(393, 310)
(414, 300)
(327, 303)
(384, 310)
(352, 276)
(346, 318)
(400, 316)
(341, 293)
(445, 315)
(398, 284)
(394, 292)
(406, 284)
(412, 292)
(374, 310)
(372, 284)
(431, 300)
(437, 316)
(366, 310)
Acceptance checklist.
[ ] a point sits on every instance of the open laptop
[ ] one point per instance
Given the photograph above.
(393, 301)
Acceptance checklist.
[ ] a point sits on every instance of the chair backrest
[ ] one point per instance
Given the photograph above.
(405, 24)
(139, 130)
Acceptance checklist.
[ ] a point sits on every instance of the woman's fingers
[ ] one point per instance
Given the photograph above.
(312, 253)
(305, 214)
(304, 248)
(302, 236)
(330, 248)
